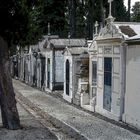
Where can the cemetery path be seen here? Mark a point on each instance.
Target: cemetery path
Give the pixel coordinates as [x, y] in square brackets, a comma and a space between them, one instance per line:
[31, 128]
[76, 123]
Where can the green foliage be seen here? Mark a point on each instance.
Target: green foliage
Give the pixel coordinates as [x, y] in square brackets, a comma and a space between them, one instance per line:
[80, 19]
[18, 26]
[35, 29]
[25, 21]
[136, 12]
[54, 13]
[119, 10]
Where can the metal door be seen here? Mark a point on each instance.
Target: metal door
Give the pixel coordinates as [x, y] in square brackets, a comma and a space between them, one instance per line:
[67, 76]
[107, 83]
[48, 73]
[43, 62]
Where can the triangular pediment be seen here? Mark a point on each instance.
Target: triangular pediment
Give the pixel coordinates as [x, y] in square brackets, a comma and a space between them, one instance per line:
[67, 51]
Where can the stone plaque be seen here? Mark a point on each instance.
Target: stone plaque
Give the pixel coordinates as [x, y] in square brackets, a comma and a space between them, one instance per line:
[107, 50]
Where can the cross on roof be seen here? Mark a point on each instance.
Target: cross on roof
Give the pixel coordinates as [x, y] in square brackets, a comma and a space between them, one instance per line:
[110, 6]
[96, 27]
[49, 33]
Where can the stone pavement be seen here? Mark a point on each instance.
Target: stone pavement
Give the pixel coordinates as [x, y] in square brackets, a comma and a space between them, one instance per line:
[86, 124]
[31, 129]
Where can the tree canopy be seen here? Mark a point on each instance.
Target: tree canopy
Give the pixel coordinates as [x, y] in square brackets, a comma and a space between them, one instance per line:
[136, 12]
[20, 21]
[29, 19]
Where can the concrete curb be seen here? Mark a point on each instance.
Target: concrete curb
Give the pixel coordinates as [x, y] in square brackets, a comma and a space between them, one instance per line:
[60, 124]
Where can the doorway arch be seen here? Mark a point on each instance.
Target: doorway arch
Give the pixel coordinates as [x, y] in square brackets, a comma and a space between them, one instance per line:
[48, 73]
[67, 76]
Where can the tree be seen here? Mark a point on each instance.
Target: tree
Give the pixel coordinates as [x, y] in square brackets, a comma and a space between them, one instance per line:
[96, 11]
[90, 18]
[15, 28]
[80, 18]
[72, 17]
[129, 9]
[119, 10]
[54, 13]
[136, 12]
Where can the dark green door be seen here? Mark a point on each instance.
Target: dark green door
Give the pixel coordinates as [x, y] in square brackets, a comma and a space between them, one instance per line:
[67, 77]
[43, 64]
[107, 83]
[48, 73]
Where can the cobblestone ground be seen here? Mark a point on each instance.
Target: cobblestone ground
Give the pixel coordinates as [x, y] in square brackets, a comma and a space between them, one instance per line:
[32, 129]
[91, 127]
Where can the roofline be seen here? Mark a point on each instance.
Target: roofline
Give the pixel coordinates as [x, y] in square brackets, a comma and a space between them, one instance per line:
[134, 23]
[110, 39]
[69, 38]
[132, 40]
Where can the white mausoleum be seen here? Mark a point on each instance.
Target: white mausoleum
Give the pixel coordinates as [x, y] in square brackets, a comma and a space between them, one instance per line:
[72, 68]
[111, 67]
[54, 53]
[132, 91]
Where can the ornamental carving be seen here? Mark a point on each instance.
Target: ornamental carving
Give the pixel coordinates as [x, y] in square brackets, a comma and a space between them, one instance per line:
[110, 30]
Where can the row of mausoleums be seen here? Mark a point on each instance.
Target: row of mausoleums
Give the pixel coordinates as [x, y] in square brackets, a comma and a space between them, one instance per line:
[101, 75]
[42, 65]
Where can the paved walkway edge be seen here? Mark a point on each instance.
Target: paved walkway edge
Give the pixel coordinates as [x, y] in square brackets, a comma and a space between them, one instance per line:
[63, 125]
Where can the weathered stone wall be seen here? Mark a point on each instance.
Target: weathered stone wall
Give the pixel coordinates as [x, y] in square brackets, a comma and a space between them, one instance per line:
[132, 94]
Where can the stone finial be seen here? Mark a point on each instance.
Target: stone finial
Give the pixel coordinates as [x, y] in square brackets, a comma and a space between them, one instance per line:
[49, 29]
[110, 7]
[96, 27]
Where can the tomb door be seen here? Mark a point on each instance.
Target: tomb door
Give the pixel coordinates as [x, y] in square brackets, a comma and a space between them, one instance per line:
[24, 69]
[48, 73]
[67, 76]
[43, 71]
[35, 73]
[107, 83]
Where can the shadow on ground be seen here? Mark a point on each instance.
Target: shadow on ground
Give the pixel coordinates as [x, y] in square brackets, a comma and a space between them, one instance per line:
[31, 129]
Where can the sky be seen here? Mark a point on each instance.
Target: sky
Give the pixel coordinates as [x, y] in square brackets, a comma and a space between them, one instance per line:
[132, 2]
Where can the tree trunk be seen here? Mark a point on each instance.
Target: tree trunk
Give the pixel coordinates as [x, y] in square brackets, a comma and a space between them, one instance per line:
[102, 13]
[129, 8]
[10, 116]
[72, 17]
[89, 26]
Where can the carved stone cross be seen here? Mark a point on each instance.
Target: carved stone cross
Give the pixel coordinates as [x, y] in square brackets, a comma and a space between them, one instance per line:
[96, 27]
[49, 32]
[110, 6]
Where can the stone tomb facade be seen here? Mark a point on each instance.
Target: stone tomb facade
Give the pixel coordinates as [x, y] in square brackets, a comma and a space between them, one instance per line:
[54, 53]
[92, 48]
[111, 67]
[75, 82]
[37, 64]
[14, 66]
[110, 71]
[30, 66]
